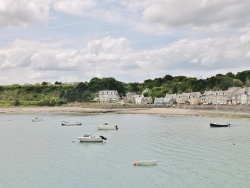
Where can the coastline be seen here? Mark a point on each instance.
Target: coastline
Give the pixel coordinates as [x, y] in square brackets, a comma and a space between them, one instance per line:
[180, 110]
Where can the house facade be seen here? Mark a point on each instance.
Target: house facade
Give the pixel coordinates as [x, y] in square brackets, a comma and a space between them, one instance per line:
[108, 96]
[195, 98]
[170, 98]
[207, 97]
[183, 98]
[143, 100]
[130, 97]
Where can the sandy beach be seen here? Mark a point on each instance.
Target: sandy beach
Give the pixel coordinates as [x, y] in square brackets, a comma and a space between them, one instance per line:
[153, 110]
[66, 109]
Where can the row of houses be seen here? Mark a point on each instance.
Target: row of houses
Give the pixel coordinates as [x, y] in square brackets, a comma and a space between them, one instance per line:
[112, 96]
[234, 95]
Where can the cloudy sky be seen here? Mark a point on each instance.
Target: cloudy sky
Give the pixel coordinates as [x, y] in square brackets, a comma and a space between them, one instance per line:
[129, 40]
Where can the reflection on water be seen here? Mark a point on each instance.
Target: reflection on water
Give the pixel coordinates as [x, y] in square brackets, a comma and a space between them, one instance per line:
[189, 152]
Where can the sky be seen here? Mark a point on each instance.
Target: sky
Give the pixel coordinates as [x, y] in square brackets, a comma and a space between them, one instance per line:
[129, 40]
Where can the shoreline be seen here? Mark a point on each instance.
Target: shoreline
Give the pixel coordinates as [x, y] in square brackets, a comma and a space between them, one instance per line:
[232, 113]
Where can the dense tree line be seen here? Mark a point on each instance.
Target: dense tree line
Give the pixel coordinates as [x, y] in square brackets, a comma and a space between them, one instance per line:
[182, 84]
[58, 93]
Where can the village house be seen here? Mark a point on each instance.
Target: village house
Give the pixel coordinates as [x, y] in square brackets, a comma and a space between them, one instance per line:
[240, 96]
[207, 97]
[159, 101]
[248, 95]
[130, 97]
[183, 98]
[108, 96]
[170, 98]
[232, 94]
[221, 97]
[195, 98]
[143, 100]
[236, 96]
[147, 100]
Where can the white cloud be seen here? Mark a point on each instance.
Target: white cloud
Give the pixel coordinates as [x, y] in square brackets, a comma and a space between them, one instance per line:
[198, 14]
[23, 13]
[113, 57]
[177, 37]
[77, 7]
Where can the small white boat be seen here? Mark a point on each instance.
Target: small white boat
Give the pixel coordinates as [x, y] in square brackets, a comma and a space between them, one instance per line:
[106, 126]
[89, 138]
[145, 163]
[36, 119]
[71, 123]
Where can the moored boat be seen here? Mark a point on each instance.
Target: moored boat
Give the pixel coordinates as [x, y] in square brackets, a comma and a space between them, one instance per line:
[106, 126]
[36, 119]
[145, 163]
[219, 125]
[71, 123]
[89, 138]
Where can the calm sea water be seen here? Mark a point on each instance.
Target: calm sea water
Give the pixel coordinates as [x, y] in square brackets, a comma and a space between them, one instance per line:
[190, 153]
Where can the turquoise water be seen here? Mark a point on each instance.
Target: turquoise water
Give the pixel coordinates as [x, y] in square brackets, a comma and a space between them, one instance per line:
[190, 153]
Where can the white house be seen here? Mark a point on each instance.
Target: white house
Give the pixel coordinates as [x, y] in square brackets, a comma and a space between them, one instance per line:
[110, 96]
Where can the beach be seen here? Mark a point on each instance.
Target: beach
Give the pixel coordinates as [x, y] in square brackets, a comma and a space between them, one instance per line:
[238, 112]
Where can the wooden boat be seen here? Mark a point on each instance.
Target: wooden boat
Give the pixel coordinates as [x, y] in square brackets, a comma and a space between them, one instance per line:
[71, 123]
[145, 163]
[106, 126]
[89, 138]
[219, 125]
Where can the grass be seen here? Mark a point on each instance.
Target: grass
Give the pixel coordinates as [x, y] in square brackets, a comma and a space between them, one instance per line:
[21, 103]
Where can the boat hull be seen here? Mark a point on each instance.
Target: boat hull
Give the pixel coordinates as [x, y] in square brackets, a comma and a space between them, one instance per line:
[219, 125]
[96, 139]
[71, 124]
[145, 163]
[36, 120]
[105, 127]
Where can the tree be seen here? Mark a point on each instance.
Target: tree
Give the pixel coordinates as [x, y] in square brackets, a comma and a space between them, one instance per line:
[230, 75]
[237, 83]
[44, 83]
[168, 78]
[226, 82]
[134, 87]
[58, 83]
[247, 82]
[16, 103]
[243, 76]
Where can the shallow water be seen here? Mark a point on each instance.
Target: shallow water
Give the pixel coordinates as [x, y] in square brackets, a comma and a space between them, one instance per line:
[189, 152]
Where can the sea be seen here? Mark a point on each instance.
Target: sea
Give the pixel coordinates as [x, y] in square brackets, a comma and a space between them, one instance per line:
[189, 153]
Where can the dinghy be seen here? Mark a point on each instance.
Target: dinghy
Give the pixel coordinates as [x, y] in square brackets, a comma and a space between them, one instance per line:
[219, 125]
[145, 163]
[71, 123]
[106, 126]
[89, 138]
[36, 119]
